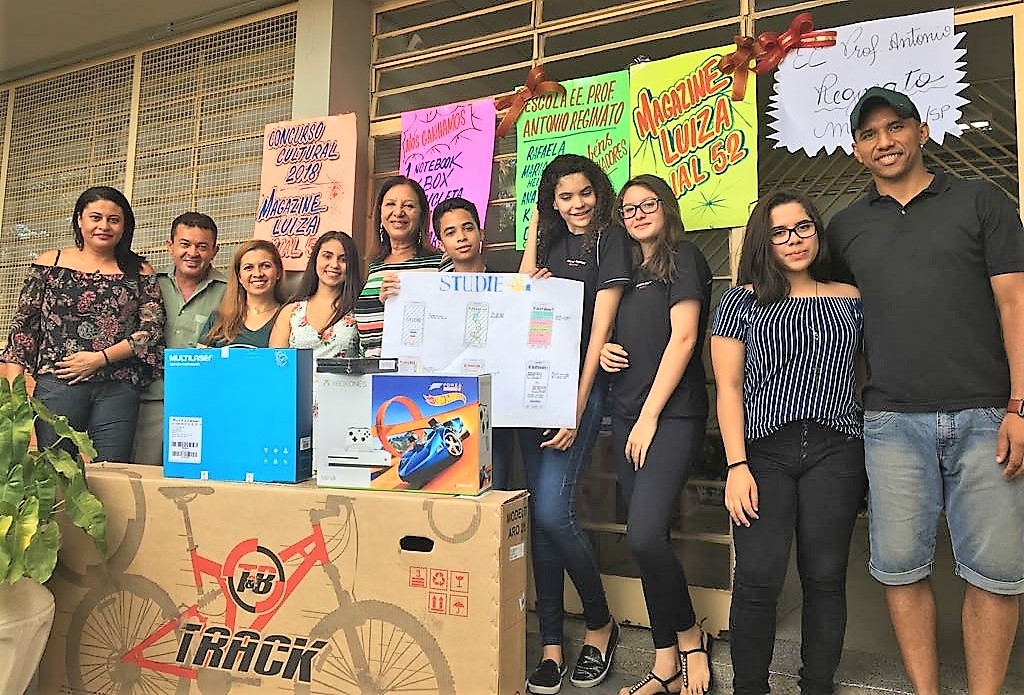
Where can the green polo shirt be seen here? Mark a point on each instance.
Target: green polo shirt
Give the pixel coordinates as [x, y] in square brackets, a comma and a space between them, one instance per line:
[185, 318]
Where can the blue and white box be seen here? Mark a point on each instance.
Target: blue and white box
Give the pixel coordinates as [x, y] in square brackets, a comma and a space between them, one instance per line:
[238, 414]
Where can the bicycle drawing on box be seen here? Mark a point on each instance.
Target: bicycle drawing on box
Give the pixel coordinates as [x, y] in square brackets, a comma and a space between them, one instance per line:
[132, 639]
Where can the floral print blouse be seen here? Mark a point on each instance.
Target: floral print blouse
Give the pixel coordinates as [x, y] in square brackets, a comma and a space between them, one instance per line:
[339, 340]
[63, 311]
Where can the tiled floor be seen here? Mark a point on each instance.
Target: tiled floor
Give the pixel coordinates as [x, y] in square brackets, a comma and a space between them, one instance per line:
[871, 661]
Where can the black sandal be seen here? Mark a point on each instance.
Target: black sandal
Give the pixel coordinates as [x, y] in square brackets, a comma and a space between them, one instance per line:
[705, 649]
[663, 682]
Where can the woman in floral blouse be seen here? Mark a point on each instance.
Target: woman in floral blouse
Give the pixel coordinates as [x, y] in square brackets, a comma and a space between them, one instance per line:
[89, 326]
[320, 318]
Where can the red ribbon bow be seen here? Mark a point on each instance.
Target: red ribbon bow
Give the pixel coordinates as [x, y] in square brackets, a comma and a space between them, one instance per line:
[537, 84]
[800, 34]
[769, 48]
[738, 63]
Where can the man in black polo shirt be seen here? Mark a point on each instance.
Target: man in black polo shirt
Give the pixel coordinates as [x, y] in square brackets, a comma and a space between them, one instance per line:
[940, 266]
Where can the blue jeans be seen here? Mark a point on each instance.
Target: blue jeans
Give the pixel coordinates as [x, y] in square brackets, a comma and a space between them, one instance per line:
[921, 463]
[559, 544]
[810, 479]
[105, 410]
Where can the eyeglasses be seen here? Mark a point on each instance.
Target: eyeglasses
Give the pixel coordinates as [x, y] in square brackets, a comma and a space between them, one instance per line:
[648, 206]
[781, 235]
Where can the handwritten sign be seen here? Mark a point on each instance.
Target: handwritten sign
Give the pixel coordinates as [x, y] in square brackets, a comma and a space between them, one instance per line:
[590, 119]
[687, 130]
[816, 88]
[449, 151]
[306, 184]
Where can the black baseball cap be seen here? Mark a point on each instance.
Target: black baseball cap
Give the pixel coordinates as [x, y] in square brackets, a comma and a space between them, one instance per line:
[900, 103]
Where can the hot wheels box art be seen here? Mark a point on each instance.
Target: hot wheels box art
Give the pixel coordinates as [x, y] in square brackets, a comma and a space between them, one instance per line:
[435, 431]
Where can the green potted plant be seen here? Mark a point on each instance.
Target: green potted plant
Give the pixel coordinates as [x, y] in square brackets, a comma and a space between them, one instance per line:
[35, 486]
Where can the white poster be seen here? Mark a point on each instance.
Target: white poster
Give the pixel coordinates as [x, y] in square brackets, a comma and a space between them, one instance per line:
[816, 88]
[524, 332]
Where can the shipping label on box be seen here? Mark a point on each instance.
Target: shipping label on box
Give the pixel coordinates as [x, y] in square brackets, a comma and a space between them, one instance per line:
[241, 414]
[208, 590]
[434, 430]
[343, 439]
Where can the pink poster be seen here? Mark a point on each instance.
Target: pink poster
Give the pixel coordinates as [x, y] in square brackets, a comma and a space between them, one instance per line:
[306, 184]
[449, 151]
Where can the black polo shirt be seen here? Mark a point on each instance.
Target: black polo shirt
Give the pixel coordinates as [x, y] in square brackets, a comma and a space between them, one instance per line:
[643, 327]
[931, 327]
[605, 265]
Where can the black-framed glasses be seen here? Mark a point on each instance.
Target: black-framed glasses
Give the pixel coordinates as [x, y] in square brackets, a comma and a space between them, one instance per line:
[648, 206]
[781, 235]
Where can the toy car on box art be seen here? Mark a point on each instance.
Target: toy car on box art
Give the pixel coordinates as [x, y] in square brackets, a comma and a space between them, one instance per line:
[439, 447]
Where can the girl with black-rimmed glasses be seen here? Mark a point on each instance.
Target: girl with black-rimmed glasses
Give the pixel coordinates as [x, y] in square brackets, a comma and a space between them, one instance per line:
[785, 342]
[659, 414]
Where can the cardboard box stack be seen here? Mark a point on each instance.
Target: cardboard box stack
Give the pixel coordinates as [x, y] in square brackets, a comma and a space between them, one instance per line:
[234, 588]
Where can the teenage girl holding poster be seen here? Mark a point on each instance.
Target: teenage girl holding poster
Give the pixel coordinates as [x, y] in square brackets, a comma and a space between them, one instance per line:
[574, 237]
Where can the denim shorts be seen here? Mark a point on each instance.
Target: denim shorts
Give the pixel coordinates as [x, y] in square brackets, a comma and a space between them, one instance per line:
[921, 464]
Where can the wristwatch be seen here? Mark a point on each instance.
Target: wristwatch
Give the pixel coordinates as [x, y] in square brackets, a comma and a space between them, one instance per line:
[1016, 406]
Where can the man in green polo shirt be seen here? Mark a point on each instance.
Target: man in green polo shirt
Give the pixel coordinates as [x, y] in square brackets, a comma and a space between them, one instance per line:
[192, 290]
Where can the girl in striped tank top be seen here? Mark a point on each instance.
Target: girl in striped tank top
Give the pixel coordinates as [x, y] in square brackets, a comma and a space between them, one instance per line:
[784, 346]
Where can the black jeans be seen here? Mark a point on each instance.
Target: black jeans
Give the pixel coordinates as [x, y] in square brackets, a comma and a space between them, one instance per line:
[503, 453]
[652, 498]
[811, 480]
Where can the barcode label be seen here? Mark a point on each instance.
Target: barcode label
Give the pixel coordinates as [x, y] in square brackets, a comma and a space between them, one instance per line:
[185, 439]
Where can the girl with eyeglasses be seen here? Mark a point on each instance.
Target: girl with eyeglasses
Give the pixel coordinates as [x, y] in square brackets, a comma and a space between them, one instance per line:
[785, 343]
[659, 406]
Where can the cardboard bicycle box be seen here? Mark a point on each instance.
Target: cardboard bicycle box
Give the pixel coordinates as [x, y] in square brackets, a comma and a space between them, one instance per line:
[238, 414]
[242, 589]
[420, 432]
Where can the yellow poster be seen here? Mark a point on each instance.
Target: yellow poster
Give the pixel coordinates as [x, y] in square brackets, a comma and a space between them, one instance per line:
[687, 129]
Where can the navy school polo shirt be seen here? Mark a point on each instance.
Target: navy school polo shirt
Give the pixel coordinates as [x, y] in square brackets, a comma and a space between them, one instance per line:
[604, 265]
[643, 327]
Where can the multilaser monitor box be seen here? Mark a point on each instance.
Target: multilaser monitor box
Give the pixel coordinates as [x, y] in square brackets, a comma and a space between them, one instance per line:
[216, 587]
[238, 414]
[426, 432]
[341, 414]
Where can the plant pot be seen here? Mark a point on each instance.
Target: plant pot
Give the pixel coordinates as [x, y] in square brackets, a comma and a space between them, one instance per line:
[26, 614]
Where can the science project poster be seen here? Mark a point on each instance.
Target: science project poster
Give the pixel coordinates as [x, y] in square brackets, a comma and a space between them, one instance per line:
[525, 333]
